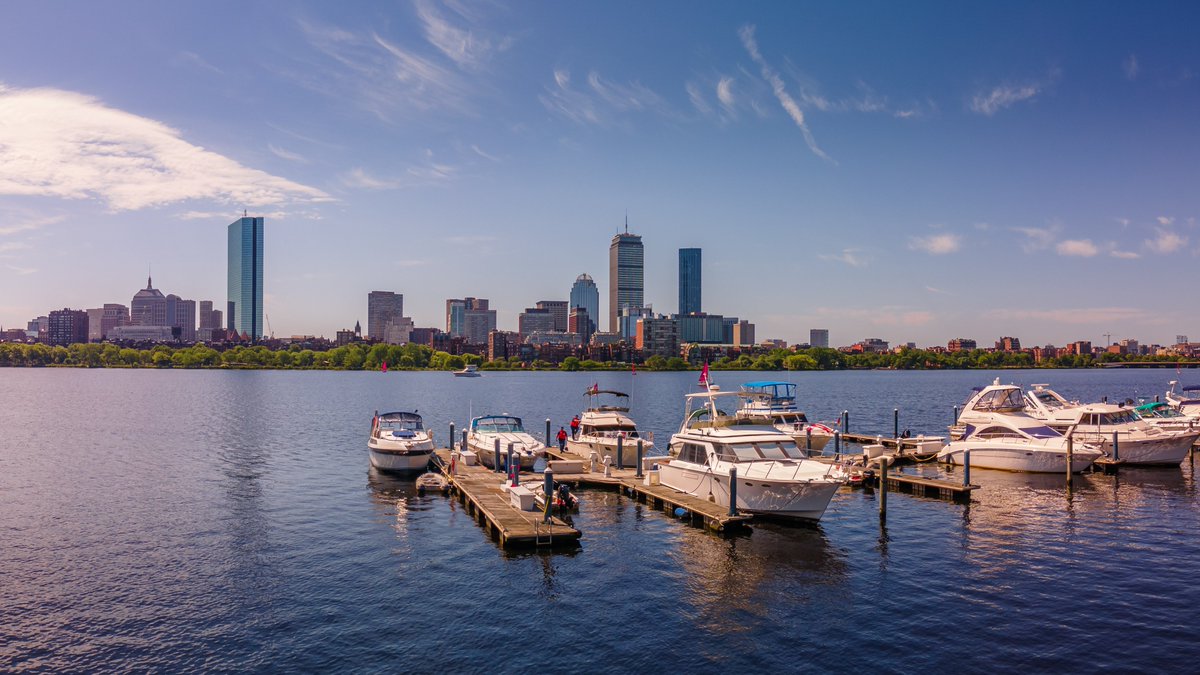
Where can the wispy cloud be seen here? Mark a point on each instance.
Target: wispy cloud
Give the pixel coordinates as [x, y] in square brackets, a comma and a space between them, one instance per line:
[470, 239]
[14, 223]
[849, 256]
[785, 99]
[379, 75]
[1165, 220]
[10, 246]
[481, 153]
[21, 271]
[430, 173]
[286, 154]
[1083, 248]
[63, 144]
[1007, 95]
[936, 244]
[1165, 241]
[1074, 316]
[460, 43]
[600, 102]
[1123, 254]
[410, 263]
[1130, 67]
[194, 60]
[937, 291]
[1038, 238]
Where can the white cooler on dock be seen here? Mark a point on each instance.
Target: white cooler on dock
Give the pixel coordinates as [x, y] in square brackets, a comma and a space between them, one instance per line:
[468, 458]
[522, 498]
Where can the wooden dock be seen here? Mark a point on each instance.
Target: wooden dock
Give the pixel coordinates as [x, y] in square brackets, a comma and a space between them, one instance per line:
[480, 490]
[698, 511]
[926, 487]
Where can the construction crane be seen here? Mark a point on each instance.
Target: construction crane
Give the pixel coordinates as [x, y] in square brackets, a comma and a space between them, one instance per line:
[270, 332]
[1107, 339]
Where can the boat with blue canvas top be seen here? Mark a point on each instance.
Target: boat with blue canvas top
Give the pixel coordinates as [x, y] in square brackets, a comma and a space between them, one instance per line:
[772, 403]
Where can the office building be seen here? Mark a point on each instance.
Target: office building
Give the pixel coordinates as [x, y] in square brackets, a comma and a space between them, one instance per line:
[559, 310]
[67, 327]
[700, 327]
[689, 281]
[383, 308]
[743, 334]
[627, 321]
[103, 319]
[961, 345]
[584, 294]
[657, 336]
[471, 319]
[398, 331]
[818, 337]
[1181, 339]
[534, 319]
[148, 307]
[142, 334]
[181, 314]
[580, 323]
[626, 276]
[244, 309]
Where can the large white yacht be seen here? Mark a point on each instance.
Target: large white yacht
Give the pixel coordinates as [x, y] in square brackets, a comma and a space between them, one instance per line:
[399, 442]
[605, 420]
[1186, 399]
[1138, 441]
[774, 404]
[1001, 435]
[487, 429]
[774, 476]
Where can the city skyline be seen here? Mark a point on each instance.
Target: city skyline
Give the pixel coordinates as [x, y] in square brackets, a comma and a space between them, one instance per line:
[878, 178]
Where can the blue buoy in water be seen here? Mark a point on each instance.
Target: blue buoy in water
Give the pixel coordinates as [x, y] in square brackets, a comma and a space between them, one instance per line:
[680, 512]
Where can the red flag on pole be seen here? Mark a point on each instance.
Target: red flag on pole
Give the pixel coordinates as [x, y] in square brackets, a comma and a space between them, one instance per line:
[384, 367]
[704, 377]
[633, 368]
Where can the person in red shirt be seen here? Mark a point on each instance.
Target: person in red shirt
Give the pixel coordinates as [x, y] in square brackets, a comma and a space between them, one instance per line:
[575, 427]
[562, 439]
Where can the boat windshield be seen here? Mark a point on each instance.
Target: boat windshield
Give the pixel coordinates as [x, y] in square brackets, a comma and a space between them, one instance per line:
[791, 418]
[499, 425]
[1119, 417]
[1049, 400]
[1007, 399]
[400, 421]
[749, 452]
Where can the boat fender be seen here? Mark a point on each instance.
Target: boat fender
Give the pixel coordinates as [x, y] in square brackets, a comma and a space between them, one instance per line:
[680, 512]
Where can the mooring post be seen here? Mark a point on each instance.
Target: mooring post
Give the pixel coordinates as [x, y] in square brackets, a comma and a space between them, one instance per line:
[548, 432]
[548, 493]
[837, 444]
[733, 491]
[845, 421]
[620, 456]
[497, 455]
[451, 443]
[808, 438]
[639, 459]
[464, 440]
[966, 468]
[1070, 455]
[1116, 448]
[1156, 398]
[513, 470]
[883, 487]
[896, 426]
[955, 420]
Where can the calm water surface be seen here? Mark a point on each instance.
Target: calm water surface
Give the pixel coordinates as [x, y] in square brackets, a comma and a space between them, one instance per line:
[200, 520]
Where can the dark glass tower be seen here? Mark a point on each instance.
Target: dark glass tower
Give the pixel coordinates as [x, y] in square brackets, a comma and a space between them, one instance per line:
[245, 308]
[689, 281]
[626, 280]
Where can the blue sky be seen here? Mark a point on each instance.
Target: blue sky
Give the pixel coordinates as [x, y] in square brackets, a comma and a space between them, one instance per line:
[914, 172]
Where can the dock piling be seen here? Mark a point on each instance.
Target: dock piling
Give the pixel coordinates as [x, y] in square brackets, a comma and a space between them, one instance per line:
[548, 433]
[883, 487]
[451, 443]
[1116, 448]
[639, 459]
[464, 440]
[733, 491]
[548, 491]
[512, 470]
[1070, 456]
[497, 448]
[896, 426]
[955, 420]
[837, 444]
[620, 457]
[845, 421]
[808, 438]
[966, 468]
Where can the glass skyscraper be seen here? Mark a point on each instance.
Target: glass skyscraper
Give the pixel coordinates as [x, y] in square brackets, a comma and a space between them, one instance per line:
[626, 276]
[689, 281]
[585, 294]
[245, 309]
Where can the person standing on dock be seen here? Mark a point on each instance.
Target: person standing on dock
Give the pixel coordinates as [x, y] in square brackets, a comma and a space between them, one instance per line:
[562, 439]
[575, 427]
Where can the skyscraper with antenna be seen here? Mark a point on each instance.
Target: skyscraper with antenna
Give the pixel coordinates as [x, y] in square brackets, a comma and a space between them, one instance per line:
[626, 275]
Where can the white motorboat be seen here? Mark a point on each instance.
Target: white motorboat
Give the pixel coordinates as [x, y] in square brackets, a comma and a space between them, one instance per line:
[1162, 415]
[774, 404]
[1138, 441]
[605, 422]
[774, 476]
[507, 430]
[399, 442]
[1186, 400]
[998, 432]
[469, 370]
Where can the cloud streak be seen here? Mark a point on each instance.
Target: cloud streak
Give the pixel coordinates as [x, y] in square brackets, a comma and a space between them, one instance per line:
[936, 244]
[1165, 241]
[600, 102]
[746, 33]
[1082, 248]
[56, 143]
[849, 256]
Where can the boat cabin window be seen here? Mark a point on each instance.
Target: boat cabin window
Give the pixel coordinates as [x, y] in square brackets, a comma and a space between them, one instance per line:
[997, 432]
[782, 450]
[694, 454]
[1041, 432]
[1000, 399]
[791, 418]
[1119, 417]
[499, 425]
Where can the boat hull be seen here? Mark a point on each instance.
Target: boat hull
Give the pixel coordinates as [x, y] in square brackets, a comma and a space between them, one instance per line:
[1170, 450]
[806, 500]
[413, 458]
[485, 452]
[584, 446]
[1017, 457]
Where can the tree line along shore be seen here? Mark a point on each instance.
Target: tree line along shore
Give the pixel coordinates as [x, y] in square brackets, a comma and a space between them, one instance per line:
[421, 357]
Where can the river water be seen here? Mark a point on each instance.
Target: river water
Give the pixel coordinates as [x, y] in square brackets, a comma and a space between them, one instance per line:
[209, 520]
